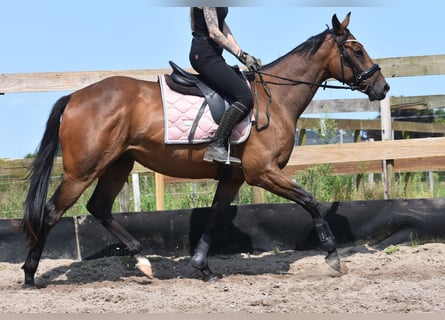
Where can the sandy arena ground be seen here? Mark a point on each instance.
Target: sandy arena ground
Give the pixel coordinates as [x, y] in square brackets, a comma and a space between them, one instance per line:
[409, 280]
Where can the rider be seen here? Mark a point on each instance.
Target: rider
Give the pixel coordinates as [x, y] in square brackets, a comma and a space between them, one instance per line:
[211, 35]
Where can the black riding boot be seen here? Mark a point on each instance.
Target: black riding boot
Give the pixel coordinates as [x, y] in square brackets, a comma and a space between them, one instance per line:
[217, 149]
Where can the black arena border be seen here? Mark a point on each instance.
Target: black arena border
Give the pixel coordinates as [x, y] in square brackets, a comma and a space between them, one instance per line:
[247, 228]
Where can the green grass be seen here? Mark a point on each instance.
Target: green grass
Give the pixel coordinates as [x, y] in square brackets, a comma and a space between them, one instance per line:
[413, 239]
[392, 249]
[317, 179]
[12, 196]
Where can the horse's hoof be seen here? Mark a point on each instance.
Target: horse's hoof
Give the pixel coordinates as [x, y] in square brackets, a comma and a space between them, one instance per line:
[146, 270]
[32, 286]
[27, 286]
[144, 266]
[333, 260]
[208, 275]
[211, 278]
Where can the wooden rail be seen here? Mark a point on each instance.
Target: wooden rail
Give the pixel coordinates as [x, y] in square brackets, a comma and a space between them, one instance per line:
[406, 126]
[66, 81]
[368, 151]
[406, 152]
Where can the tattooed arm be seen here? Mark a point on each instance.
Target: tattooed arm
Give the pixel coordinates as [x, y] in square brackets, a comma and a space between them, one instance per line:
[224, 39]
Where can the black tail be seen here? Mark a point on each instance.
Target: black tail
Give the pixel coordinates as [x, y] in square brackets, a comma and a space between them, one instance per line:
[40, 172]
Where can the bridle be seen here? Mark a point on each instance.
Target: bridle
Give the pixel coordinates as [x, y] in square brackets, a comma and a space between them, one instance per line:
[359, 83]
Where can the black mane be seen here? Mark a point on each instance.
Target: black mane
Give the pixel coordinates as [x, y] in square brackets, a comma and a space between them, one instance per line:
[307, 48]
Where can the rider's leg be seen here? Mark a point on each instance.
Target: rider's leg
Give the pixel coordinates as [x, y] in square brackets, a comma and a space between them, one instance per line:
[217, 147]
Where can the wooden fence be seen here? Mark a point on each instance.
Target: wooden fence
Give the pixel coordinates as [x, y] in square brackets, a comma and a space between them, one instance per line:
[356, 158]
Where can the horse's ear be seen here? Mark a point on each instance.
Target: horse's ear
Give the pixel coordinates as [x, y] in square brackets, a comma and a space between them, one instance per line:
[339, 28]
[345, 22]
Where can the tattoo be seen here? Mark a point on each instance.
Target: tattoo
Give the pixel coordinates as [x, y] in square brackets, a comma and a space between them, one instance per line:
[211, 19]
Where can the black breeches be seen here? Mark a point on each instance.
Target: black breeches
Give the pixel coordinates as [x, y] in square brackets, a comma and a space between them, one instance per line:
[209, 63]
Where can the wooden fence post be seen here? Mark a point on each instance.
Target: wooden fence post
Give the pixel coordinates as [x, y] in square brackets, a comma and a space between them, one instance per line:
[123, 199]
[302, 137]
[160, 191]
[431, 182]
[136, 192]
[388, 164]
[359, 176]
[258, 195]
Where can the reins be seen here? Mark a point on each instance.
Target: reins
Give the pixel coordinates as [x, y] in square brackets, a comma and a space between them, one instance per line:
[360, 77]
[291, 82]
[268, 103]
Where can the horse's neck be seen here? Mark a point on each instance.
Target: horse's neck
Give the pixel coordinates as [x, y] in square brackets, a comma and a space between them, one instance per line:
[296, 98]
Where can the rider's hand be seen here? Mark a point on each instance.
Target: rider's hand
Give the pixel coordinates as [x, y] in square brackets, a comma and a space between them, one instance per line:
[252, 63]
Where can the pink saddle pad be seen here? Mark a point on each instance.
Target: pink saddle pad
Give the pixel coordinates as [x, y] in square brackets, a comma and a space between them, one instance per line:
[180, 112]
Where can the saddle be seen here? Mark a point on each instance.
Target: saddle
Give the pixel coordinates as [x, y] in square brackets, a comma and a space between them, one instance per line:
[187, 120]
[188, 83]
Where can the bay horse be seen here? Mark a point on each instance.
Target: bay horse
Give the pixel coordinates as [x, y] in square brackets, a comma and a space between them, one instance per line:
[104, 128]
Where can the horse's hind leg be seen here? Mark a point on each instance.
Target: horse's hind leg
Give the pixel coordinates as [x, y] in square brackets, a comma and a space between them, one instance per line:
[225, 193]
[275, 181]
[64, 197]
[100, 206]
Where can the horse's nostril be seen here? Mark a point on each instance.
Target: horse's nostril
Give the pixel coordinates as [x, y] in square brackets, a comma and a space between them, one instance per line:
[387, 87]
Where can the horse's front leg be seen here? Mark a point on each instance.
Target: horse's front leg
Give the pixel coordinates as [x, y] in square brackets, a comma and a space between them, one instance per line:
[276, 182]
[225, 193]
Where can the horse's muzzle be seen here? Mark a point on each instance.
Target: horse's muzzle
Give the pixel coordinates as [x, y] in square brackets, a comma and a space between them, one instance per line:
[377, 92]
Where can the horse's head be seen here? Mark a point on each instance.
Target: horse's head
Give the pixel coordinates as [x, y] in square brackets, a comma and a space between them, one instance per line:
[352, 65]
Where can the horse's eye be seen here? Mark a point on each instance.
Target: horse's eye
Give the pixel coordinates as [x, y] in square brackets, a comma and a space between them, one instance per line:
[358, 52]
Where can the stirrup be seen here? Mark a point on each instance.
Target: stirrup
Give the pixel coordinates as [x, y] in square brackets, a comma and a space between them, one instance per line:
[229, 160]
[226, 160]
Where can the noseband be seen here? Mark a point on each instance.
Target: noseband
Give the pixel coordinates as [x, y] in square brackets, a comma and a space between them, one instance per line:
[360, 82]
